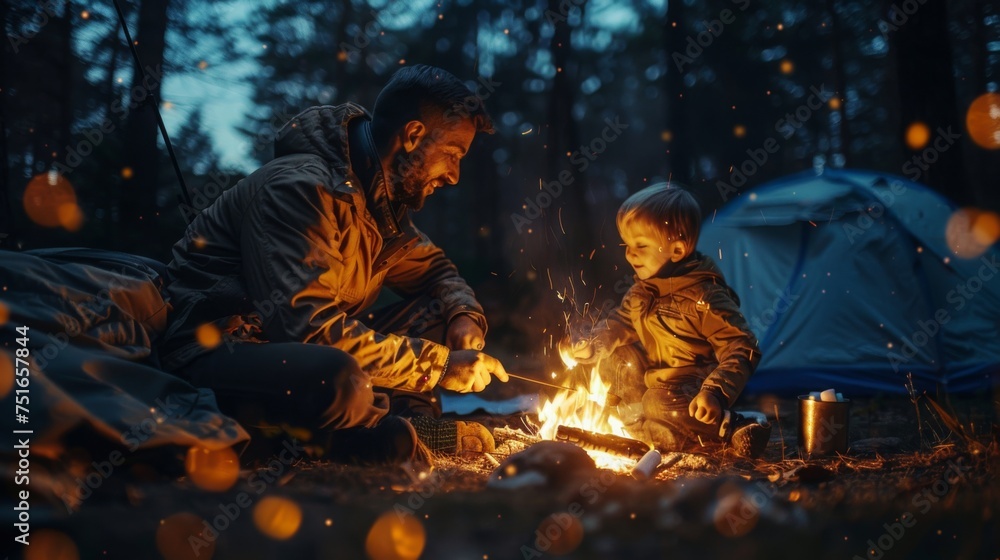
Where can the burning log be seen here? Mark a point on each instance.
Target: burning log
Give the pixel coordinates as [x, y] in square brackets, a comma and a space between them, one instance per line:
[608, 443]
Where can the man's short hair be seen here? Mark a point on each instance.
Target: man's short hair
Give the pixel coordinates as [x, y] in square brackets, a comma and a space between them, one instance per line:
[665, 208]
[427, 94]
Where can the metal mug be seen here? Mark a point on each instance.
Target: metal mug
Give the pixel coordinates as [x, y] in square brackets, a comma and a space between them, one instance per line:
[824, 426]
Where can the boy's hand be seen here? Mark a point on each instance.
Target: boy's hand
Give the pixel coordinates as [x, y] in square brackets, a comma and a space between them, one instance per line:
[579, 350]
[705, 407]
[471, 371]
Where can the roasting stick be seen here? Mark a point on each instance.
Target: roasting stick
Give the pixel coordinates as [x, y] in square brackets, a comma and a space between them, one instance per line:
[523, 378]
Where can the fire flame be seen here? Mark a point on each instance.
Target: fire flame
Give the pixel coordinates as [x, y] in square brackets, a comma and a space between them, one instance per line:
[587, 409]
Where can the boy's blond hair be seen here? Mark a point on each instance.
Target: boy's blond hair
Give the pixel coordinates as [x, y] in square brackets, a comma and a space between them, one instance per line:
[666, 209]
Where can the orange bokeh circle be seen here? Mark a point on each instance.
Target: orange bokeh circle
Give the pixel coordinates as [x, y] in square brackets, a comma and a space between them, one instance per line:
[50, 201]
[983, 121]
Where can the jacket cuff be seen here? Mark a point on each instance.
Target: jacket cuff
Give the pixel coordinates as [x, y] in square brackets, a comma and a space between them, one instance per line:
[473, 313]
[718, 393]
[431, 369]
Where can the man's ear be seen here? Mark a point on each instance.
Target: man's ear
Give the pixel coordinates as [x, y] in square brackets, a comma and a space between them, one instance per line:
[677, 250]
[413, 132]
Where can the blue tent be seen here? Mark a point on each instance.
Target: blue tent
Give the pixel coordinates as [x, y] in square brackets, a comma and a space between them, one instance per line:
[849, 280]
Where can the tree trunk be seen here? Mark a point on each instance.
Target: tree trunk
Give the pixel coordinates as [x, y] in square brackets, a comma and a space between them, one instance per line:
[67, 72]
[113, 37]
[6, 214]
[984, 165]
[677, 139]
[573, 230]
[840, 80]
[927, 94]
[138, 208]
[487, 194]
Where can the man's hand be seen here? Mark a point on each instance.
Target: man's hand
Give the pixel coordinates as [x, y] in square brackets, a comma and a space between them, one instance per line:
[464, 334]
[471, 371]
[705, 407]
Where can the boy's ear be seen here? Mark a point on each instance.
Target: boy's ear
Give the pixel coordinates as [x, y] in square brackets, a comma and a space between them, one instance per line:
[677, 250]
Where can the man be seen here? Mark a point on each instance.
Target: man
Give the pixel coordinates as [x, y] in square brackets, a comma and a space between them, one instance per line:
[285, 265]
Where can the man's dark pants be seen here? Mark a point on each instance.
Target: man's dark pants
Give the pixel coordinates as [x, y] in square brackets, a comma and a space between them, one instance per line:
[313, 386]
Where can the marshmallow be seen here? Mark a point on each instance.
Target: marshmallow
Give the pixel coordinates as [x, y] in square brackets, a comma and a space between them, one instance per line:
[647, 465]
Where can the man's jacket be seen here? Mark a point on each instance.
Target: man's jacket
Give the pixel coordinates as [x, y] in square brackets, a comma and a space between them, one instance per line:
[689, 322]
[292, 253]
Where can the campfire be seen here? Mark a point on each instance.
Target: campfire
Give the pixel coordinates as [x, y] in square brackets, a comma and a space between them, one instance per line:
[581, 415]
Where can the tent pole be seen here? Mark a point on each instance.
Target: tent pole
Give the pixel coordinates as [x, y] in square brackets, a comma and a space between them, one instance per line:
[151, 99]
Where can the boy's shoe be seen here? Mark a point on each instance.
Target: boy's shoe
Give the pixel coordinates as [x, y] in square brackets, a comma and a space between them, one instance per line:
[392, 441]
[749, 437]
[453, 436]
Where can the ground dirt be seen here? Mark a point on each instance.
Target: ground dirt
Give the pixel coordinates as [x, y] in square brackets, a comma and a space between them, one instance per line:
[900, 492]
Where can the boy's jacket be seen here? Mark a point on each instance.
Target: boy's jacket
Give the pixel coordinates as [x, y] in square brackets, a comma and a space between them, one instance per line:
[689, 322]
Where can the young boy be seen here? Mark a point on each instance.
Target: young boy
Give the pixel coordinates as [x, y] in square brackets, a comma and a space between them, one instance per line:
[697, 347]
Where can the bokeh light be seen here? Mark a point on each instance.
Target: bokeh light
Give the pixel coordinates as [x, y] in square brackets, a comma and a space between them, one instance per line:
[396, 536]
[50, 201]
[208, 335]
[70, 217]
[986, 228]
[215, 470]
[734, 515]
[277, 517]
[918, 135]
[563, 531]
[970, 232]
[49, 544]
[739, 131]
[4, 313]
[983, 121]
[182, 537]
[787, 67]
[6, 374]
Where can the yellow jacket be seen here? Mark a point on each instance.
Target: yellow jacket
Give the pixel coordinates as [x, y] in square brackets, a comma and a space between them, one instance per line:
[293, 253]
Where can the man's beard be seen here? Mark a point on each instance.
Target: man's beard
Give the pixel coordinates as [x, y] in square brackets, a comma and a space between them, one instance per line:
[410, 191]
[408, 188]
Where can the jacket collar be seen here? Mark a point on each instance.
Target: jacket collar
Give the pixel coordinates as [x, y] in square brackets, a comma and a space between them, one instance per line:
[334, 133]
[674, 277]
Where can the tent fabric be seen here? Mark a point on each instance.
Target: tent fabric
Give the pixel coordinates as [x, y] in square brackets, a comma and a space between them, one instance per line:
[92, 319]
[848, 280]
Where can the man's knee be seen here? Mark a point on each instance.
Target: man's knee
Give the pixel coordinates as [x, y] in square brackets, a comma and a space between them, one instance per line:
[349, 381]
[351, 401]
